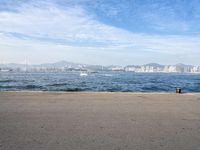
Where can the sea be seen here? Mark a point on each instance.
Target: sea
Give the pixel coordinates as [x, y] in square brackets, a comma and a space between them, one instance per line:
[99, 82]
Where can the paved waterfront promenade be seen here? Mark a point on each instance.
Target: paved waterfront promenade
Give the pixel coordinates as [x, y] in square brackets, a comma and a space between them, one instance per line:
[99, 121]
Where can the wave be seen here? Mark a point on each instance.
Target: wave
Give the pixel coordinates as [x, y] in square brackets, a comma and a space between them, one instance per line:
[6, 87]
[58, 84]
[106, 75]
[154, 88]
[69, 90]
[7, 80]
[32, 87]
[27, 87]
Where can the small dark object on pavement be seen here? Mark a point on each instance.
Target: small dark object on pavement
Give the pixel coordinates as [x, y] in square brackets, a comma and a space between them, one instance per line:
[178, 90]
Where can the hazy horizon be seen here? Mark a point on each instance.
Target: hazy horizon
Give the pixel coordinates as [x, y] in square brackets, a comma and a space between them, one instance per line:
[27, 62]
[103, 32]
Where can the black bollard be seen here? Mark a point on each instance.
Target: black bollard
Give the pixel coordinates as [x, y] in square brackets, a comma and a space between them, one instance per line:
[178, 90]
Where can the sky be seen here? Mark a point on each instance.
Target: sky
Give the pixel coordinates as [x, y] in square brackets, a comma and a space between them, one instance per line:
[106, 32]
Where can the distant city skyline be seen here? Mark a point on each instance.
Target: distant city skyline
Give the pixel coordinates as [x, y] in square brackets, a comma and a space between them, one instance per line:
[100, 32]
[64, 66]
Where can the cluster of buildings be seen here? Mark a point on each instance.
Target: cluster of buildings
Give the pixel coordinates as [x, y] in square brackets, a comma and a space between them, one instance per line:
[66, 67]
[164, 69]
[179, 68]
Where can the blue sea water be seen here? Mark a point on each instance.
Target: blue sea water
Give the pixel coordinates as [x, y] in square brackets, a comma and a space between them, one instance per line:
[102, 81]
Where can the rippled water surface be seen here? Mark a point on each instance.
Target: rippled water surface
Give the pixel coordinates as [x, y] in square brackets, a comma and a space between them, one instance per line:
[103, 81]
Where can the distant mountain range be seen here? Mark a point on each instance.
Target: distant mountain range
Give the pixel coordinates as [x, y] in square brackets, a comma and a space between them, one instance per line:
[47, 65]
[63, 66]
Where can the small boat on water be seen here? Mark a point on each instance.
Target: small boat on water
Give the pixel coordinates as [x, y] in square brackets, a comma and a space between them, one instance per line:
[87, 72]
[83, 74]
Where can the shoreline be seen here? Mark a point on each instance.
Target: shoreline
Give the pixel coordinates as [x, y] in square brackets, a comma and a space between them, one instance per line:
[103, 92]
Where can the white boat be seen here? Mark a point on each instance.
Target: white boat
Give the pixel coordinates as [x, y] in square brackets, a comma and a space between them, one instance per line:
[83, 74]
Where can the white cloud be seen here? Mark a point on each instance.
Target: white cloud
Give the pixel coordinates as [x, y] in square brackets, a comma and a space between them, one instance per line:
[74, 25]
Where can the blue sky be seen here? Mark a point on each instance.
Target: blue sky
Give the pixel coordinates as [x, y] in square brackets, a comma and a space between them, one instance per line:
[100, 31]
